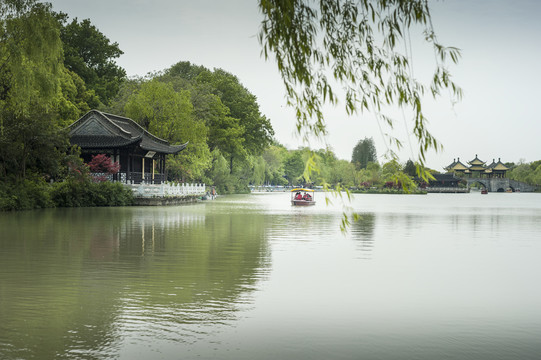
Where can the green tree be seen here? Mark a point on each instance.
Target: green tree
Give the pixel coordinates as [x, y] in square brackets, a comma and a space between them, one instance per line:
[373, 170]
[321, 46]
[32, 145]
[225, 132]
[168, 114]
[527, 172]
[258, 170]
[30, 54]
[76, 99]
[127, 88]
[326, 161]
[390, 170]
[363, 153]
[410, 169]
[90, 54]
[293, 167]
[520, 172]
[219, 174]
[274, 164]
[535, 164]
[343, 173]
[243, 105]
[31, 75]
[236, 126]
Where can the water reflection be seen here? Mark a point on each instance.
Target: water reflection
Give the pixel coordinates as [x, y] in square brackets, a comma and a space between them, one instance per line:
[362, 231]
[76, 283]
[445, 280]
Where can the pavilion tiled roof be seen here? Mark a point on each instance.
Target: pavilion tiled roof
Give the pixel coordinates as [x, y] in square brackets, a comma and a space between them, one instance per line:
[451, 166]
[500, 166]
[476, 162]
[98, 130]
[456, 166]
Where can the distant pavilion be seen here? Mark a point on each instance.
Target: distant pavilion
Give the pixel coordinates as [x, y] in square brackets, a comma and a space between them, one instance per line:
[140, 154]
[478, 168]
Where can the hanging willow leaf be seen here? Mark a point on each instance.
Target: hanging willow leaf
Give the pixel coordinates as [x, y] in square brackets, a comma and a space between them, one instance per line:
[310, 39]
[358, 42]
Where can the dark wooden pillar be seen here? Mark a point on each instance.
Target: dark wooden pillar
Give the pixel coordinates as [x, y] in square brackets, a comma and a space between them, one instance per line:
[163, 167]
[115, 159]
[128, 171]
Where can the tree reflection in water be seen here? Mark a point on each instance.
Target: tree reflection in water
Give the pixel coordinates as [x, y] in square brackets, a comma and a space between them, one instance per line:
[362, 231]
[79, 282]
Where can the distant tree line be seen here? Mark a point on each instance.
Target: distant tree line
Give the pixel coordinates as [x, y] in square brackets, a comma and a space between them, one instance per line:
[529, 173]
[363, 172]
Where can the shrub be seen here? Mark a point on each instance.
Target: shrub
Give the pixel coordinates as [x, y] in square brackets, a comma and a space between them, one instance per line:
[101, 165]
[25, 195]
[76, 194]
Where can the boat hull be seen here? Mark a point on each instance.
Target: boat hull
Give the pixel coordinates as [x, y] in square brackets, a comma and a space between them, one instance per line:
[302, 202]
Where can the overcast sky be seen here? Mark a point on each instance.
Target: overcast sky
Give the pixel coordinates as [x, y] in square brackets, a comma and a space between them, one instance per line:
[499, 70]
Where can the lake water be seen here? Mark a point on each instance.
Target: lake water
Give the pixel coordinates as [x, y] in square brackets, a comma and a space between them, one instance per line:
[441, 276]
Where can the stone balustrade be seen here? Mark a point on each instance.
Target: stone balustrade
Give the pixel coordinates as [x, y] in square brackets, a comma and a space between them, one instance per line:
[166, 190]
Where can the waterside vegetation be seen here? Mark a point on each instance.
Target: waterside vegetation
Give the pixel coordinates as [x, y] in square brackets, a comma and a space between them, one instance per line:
[54, 69]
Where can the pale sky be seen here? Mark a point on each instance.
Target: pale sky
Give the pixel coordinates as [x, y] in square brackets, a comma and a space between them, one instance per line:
[499, 70]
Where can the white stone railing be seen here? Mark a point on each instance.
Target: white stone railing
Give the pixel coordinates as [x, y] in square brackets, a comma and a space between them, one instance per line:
[166, 189]
[449, 189]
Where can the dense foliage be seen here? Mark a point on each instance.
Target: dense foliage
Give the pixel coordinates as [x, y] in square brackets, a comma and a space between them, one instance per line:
[90, 54]
[529, 173]
[30, 194]
[40, 94]
[363, 153]
[53, 70]
[211, 110]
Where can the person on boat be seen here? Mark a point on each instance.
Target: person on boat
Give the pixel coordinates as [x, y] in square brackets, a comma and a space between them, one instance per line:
[298, 196]
[307, 197]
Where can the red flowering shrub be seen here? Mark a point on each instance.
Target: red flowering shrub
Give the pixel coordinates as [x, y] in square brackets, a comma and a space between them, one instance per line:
[102, 165]
[393, 185]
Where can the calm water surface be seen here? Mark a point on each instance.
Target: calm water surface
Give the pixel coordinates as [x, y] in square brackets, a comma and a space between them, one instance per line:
[250, 277]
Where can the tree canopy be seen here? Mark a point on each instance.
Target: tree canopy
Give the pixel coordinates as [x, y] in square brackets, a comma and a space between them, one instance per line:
[169, 115]
[31, 75]
[363, 153]
[212, 111]
[30, 54]
[90, 54]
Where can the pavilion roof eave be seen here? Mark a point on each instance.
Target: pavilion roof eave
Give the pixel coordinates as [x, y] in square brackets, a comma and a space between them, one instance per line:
[97, 130]
[172, 149]
[101, 142]
[476, 161]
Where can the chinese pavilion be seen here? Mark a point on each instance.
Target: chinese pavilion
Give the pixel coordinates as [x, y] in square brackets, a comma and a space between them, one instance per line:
[140, 154]
[457, 167]
[478, 168]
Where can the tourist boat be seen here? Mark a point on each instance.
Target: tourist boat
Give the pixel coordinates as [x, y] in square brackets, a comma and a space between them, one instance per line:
[484, 191]
[302, 197]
